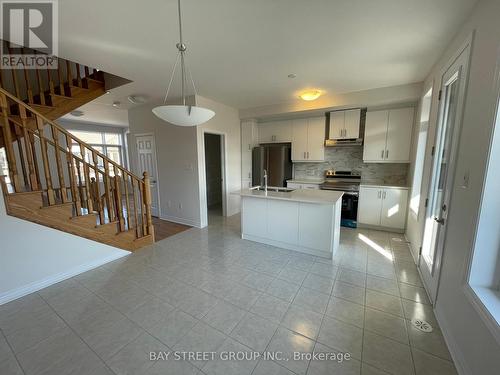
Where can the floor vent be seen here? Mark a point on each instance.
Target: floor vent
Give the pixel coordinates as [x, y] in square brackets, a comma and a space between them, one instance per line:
[421, 325]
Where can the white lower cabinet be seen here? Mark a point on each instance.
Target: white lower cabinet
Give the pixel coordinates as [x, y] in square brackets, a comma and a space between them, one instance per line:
[312, 235]
[382, 206]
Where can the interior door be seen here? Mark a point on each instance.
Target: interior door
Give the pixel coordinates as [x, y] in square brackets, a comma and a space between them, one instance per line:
[351, 124]
[375, 135]
[146, 154]
[399, 130]
[299, 140]
[316, 139]
[442, 175]
[394, 208]
[370, 204]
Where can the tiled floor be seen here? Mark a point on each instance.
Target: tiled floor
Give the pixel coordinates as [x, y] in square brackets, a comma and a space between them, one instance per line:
[208, 290]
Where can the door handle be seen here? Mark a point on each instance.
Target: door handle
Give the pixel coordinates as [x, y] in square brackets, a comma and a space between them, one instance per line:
[439, 220]
[386, 154]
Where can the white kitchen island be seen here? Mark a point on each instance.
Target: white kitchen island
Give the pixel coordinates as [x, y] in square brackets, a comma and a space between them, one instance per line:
[303, 220]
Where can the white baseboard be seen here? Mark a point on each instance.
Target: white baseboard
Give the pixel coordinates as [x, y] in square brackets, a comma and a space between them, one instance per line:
[455, 352]
[38, 285]
[181, 220]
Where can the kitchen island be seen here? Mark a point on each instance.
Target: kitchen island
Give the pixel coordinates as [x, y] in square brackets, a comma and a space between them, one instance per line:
[302, 220]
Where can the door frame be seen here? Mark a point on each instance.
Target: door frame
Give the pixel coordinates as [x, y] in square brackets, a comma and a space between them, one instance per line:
[203, 175]
[431, 278]
[139, 173]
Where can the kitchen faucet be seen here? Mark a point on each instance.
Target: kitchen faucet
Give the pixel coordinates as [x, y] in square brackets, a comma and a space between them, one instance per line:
[265, 180]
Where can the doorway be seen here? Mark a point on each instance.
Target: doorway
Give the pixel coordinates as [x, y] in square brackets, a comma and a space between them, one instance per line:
[214, 174]
[146, 154]
[443, 159]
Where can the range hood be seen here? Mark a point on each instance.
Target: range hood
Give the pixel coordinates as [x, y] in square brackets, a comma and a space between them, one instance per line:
[344, 142]
[345, 127]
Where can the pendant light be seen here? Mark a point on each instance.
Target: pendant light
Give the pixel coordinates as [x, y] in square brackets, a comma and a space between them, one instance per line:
[182, 115]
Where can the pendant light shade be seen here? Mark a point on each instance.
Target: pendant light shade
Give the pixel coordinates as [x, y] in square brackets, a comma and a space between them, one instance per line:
[183, 115]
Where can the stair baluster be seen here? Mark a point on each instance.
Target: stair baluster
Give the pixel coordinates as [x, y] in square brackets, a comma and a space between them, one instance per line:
[28, 147]
[9, 150]
[70, 160]
[119, 200]
[57, 152]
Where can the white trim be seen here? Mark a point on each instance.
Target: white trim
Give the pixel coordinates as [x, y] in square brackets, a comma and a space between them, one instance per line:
[453, 347]
[203, 177]
[484, 304]
[41, 284]
[181, 220]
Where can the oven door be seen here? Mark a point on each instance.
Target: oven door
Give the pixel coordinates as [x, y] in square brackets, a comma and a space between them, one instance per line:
[349, 209]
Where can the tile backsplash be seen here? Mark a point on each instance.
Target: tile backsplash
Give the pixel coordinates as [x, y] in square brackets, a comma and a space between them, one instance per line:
[351, 158]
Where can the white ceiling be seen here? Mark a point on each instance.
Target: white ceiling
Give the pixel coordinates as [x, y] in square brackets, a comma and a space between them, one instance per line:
[241, 51]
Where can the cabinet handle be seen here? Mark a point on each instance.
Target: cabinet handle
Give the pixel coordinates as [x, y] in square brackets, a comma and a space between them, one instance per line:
[308, 154]
[249, 147]
[385, 194]
[249, 174]
[382, 154]
[379, 194]
[386, 154]
[304, 154]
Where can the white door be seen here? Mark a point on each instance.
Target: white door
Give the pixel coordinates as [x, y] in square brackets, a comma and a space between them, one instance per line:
[399, 132]
[375, 136]
[337, 120]
[316, 139]
[351, 124]
[146, 153]
[394, 208]
[442, 176]
[299, 140]
[370, 205]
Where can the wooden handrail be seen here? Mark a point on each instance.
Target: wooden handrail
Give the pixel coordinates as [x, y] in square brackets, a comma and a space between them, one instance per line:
[65, 132]
[38, 130]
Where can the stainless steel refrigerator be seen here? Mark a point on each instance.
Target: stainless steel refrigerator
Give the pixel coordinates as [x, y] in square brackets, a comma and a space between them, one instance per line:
[276, 159]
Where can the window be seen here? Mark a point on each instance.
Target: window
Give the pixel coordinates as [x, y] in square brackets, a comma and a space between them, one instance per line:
[484, 276]
[423, 129]
[107, 143]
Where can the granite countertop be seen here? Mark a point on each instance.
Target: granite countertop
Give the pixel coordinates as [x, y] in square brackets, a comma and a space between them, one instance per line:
[306, 180]
[299, 195]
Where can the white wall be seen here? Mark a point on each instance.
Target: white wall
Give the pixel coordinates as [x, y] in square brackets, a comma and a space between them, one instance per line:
[473, 345]
[226, 122]
[180, 155]
[177, 156]
[33, 257]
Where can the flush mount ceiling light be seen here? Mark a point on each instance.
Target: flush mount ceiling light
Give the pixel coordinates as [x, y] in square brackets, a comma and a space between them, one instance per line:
[116, 104]
[182, 115]
[292, 75]
[310, 95]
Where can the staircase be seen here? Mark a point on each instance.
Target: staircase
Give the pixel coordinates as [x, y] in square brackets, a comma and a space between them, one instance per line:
[55, 179]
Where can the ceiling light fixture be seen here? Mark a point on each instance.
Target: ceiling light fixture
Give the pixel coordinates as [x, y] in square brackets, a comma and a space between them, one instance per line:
[292, 75]
[310, 95]
[182, 115]
[76, 113]
[116, 104]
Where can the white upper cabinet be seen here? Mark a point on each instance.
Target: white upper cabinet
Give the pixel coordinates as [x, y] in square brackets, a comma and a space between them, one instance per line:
[299, 140]
[399, 132]
[275, 132]
[345, 124]
[308, 139]
[375, 136]
[388, 136]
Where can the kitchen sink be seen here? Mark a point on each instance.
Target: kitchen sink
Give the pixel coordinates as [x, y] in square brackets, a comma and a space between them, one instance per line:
[273, 189]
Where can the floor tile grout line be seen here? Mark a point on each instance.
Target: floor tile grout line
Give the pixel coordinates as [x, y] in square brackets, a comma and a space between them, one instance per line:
[12, 351]
[81, 339]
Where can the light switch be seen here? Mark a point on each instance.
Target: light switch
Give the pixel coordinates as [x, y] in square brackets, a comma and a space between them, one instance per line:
[465, 180]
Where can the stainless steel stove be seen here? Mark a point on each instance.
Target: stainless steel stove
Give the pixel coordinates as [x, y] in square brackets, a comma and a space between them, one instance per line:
[348, 182]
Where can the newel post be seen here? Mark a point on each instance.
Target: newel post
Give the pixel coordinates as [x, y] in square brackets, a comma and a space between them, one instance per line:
[147, 203]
